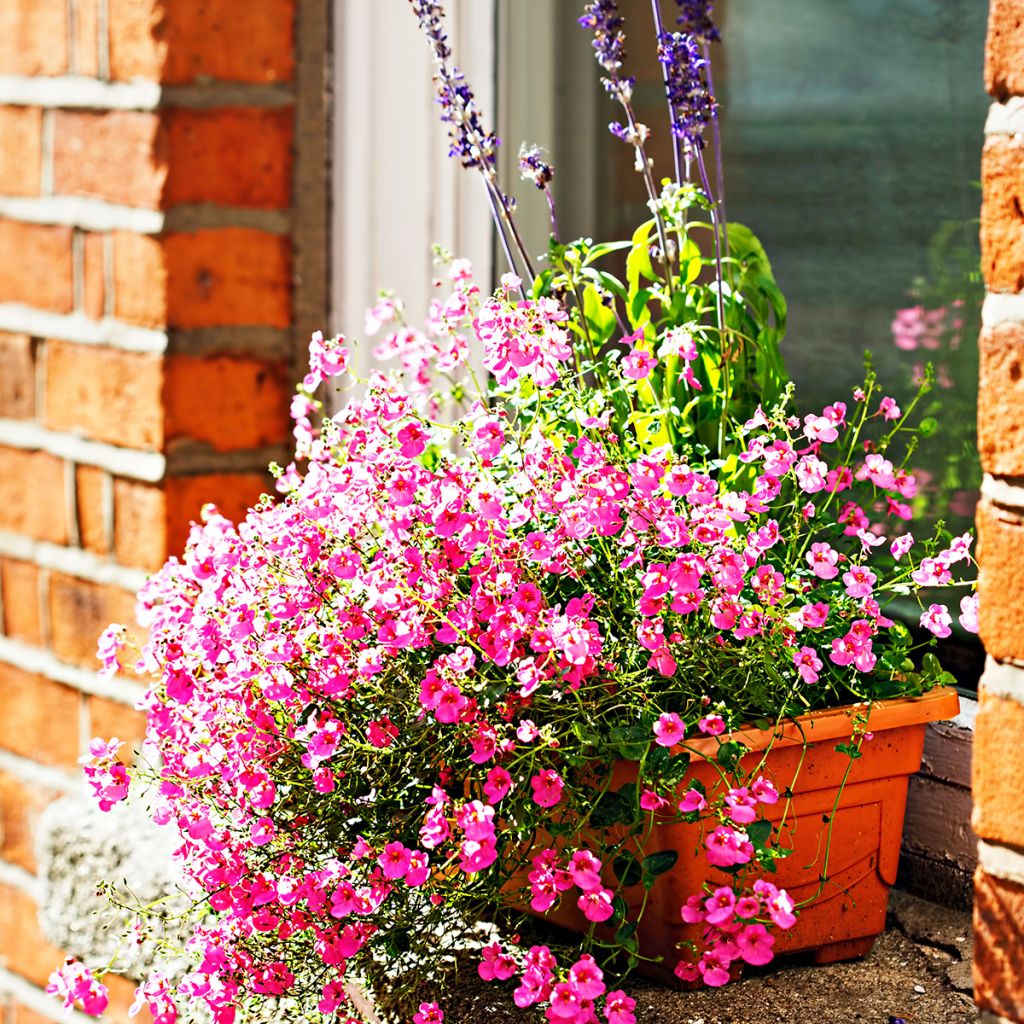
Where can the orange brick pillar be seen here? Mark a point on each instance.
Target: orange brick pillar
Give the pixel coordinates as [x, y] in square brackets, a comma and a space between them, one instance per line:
[999, 738]
[162, 255]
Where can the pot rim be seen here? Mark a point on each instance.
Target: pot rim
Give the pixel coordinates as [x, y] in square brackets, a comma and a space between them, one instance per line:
[937, 704]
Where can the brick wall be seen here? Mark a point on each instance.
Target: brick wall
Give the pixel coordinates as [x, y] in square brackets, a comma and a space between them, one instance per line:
[155, 276]
[999, 738]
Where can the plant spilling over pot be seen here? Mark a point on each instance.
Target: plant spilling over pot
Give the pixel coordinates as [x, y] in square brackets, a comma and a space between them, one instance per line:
[388, 706]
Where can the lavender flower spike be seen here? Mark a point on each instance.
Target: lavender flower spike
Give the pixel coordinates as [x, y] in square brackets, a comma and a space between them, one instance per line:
[691, 104]
[609, 40]
[695, 20]
[533, 167]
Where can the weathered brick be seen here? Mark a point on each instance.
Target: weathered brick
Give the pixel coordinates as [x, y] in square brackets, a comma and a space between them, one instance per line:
[20, 806]
[112, 155]
[105, 393]
[233, 494]
[184, 40]
[1002, 214]
[79, 612]
[90, 487]
[998, 945]
[20, 583]
[23, 1015]
[228, 277]
[998, 763]
[36, 261]
[21, 129]
[240, 156]
[93, 275]
[251, 409]
[1000, 582]
[85, 46]
[40, 718]
[1001, 399]
[34, 37]
[17, 376]
[23, 950]
[108, 719]
[32, 495]
[1004, 49]
[140, 279]
[140, 524]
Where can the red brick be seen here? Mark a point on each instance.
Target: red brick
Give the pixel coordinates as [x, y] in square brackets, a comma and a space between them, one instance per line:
[36, 261]
[108, 719]
[238, 157]
[21, 128]
[997, 766]
[23, 950]
[183, 40]
[1002, 214]
[80, 611]
[23, 1015]
[998, 946]
[87, 35]
[20, 584]
[20, 806]
[17, 376]
[93, 275]
[228, 277]
[112, 155]
[105, 393]
[90, 488]
[233, 494]
[140, 280]
[140, 524]
[40, 718]
[1001, 399]
[122, 995]
[34, 37]
[32, 495]
[1000, 581]
[1004, 49]
[251, 406]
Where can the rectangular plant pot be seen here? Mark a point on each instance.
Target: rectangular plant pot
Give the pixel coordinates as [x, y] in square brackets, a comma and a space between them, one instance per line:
[858, 860]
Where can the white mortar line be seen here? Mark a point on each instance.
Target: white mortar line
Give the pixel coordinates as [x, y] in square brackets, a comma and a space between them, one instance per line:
[1005, 680]
[1001, 308]
[19, 878]
[78, 91]
[1006, 118]
[1002, 492]
[40, 662]
[150, 467]
[1001, 861]
[38, 1001]
[16, 318]
[82, 212]
[73, 561]
[41, 775]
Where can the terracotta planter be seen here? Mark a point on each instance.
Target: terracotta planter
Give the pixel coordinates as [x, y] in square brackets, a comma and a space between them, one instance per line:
[849, 914]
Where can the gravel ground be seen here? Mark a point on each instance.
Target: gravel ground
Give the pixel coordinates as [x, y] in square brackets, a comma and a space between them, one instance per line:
[919, 972]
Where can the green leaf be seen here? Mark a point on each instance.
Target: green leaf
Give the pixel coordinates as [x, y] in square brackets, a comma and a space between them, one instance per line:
[627, 869]
[621, 908]
[602, 249]
[928, 426]
[759, 832]
[638, 262]
[657, 864]
[625, 932]
[729, 754]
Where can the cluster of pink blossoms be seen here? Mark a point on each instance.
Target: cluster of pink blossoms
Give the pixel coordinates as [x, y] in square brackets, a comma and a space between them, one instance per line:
[365, 693]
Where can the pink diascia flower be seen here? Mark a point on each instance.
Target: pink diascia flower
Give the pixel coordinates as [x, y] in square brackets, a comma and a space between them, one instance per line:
[429, 1013]
[669, 729]
[547, 787]
[822, 559]
[74, 983]
[937, 620]
[807, 663]
[638, 364]
[969, 613]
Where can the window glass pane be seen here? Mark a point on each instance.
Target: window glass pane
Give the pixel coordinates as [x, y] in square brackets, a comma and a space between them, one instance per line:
[852, 131]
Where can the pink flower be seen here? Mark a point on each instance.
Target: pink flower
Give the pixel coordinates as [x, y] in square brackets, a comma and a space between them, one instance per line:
[807, 663]
[741, 804]
[712, 725]
[765, 791]
[669, 729]
[937, 620]
[755, 944]
[651, 801]
[394, 861]
[889, 409]
[859, 581]
[498, 783]
[74, 982]
[495, 963]
[547, 787]
[714, 968]
[585, 977]
[780, 909]
[720, 906]
[901, 545]
[429, 1013]
[726, 847]
[638, 364]
[585, 871]
[596, 905]
[969, 613]
[618, 1008]
[822, 559]
[693, 800]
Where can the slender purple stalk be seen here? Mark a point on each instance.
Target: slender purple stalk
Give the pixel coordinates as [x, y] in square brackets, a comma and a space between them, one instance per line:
[533, 167]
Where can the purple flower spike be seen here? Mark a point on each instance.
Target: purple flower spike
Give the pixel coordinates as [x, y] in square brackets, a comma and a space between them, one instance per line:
[691, 104]
[695, 20]
[609, 40]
